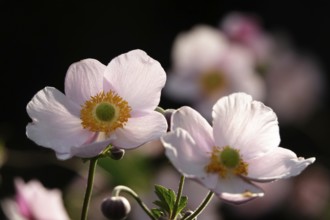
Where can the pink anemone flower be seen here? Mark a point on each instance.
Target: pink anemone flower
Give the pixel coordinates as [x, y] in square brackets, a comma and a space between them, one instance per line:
[241, 147]
[102, 105]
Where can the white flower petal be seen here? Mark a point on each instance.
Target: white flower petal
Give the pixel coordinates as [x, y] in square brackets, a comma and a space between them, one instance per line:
[185, 153]
[140, 130]
[55, 123]
[137, 78]
[247, 125]
[83, 80]
[232, 189]
[277, 164]
[198, 49]
[199, 129]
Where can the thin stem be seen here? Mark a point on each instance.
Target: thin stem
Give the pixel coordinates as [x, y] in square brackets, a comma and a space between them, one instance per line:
[89, 189]
[128, 190]
[201, 207]
[178, 198]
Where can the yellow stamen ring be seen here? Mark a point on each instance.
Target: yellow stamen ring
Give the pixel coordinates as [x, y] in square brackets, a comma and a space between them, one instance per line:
[105, 112]
[226, 160]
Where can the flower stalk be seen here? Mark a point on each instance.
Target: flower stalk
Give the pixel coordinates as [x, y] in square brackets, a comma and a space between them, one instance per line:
[89, 189]
[178, 198]
[202, 206]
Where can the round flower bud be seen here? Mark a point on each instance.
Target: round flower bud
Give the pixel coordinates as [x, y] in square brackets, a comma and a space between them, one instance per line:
[115, 208]
[116, 153]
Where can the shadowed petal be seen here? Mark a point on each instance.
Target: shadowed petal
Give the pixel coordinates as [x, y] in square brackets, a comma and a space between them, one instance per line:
[199, 129]
[277, 164]
[140, 130]
[232, 189]
[185, 153]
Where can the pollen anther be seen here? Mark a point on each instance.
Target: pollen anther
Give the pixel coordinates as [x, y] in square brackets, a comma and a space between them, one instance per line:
[105, 112]
[226, 160]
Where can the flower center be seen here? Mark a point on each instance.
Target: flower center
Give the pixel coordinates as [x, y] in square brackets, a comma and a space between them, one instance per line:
[212, 82]
[105, 112]
[226, 160]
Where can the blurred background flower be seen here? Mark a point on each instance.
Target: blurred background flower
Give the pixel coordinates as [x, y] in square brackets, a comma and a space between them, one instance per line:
[289, 56]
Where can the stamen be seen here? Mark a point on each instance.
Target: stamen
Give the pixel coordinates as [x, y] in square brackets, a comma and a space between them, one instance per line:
[226, 160]
[212, 82]
[105, 112]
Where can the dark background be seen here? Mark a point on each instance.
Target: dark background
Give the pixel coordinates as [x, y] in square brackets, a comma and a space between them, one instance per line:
[39, 40]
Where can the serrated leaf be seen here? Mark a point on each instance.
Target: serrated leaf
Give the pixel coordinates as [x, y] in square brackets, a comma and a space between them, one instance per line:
[157, 212]
[183, 203]
[166, 198]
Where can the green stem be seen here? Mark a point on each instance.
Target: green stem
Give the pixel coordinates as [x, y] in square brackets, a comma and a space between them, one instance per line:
[178, 198]
[89, 189]
[118, 189]
[201, 207]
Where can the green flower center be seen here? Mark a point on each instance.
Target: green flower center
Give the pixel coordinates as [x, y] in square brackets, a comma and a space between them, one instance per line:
[229, 157]
[105, 112]
[212, 81]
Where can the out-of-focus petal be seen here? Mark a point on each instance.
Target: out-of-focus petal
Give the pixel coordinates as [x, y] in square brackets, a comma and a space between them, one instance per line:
[198, 49]
[232, 189]
[140, 130]
[277, 164]
[199, 129]
[83, 80]
[42, 203]
[185, 153]
[137, 78]
[55, 123]
[247, 125]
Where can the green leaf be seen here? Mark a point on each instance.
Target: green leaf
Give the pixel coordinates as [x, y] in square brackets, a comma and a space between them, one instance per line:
[166, 199]
[183, 203]
[157, 212]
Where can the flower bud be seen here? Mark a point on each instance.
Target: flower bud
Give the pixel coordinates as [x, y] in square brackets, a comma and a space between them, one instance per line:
[116, 153]
[115, 208]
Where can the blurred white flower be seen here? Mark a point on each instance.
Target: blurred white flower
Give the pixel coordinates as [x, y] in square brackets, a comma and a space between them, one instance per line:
[206, 66]
[294, 82]
[102, 105]
[34, 202]
[242, 146]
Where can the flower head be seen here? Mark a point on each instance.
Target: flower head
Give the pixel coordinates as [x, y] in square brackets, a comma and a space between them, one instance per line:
[102, 105]
[242, 146]
[33, 201]
[207, 66]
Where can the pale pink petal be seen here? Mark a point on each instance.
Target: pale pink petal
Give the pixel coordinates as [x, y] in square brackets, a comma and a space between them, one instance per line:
[42, 203]
[232, 189]
[199, 129]
[55, 123]
[247, 125]
[185, 153]
[140, 130]
[91, 149]
[137, 78]
[198, 49]
[83, 80]
[277, 164]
